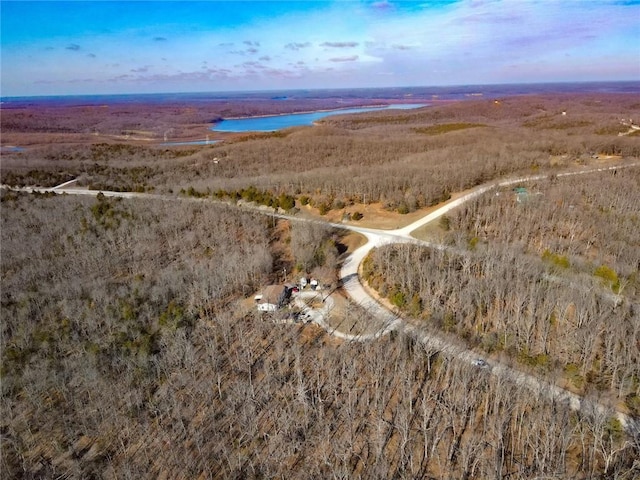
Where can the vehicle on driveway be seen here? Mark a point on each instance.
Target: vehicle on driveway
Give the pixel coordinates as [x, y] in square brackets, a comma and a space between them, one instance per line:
[480, 363]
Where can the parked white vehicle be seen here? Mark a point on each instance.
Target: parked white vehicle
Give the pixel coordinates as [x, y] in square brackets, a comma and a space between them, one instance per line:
[480, 363]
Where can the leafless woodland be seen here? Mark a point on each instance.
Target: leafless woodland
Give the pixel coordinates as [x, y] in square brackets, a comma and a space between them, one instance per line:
[128, 350]
[547, 278]
[397, 158]
[122, 363]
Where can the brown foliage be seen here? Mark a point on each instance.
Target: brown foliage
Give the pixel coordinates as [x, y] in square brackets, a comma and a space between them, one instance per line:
[124, 353]
[375, 155]
[548, 278]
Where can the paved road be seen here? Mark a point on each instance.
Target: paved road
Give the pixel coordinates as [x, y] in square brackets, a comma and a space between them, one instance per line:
[351, 283]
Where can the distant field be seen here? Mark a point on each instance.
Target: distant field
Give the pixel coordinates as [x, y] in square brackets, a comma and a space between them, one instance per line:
[131, 346]
[401, 160]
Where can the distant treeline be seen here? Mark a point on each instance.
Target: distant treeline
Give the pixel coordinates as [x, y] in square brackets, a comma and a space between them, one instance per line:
[405, 160]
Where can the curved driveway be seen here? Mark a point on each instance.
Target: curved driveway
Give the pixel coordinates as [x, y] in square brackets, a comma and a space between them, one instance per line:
[351, 283]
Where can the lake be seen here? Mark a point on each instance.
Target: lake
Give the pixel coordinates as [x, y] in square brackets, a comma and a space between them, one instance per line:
[11, 149]
[278, 122]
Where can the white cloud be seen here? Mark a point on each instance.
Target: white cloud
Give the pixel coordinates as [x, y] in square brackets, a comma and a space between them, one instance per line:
[357, 42]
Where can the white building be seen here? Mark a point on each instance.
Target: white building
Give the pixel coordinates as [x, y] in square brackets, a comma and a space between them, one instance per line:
[273, 297]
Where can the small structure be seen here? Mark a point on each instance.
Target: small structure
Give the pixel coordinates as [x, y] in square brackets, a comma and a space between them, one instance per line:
[522, 195]
[273, 297]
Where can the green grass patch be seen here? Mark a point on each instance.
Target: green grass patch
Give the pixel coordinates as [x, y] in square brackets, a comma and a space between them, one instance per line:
[609, 277]
[446, 128]
[572, 371]
[612, 130]
[560, 261]
[554, 123]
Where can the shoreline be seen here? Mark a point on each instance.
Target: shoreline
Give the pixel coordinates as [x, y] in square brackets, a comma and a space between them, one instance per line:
[306, 112]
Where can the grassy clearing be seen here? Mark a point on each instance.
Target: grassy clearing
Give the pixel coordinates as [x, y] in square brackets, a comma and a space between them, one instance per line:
[446, 128]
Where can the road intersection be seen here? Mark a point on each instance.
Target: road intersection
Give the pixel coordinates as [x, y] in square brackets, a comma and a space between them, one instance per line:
[350, 282]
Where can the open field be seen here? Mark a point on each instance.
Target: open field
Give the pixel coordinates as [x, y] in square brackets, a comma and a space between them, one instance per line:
[131, 348]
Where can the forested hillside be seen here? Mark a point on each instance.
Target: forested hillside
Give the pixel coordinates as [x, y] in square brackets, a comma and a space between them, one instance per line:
[123, 357]
[131, 346]
[545, 276]
[403, 159]
[411, 159]
[99, 297]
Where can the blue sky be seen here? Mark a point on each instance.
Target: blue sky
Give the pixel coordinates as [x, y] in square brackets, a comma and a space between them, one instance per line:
[90, 47]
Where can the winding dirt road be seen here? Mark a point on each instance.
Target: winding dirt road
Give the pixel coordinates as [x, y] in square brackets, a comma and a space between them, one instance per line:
[352, 285]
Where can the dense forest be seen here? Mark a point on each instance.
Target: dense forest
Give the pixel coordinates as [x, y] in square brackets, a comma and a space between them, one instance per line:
[131, 346]
[119, 362]
[545, 276]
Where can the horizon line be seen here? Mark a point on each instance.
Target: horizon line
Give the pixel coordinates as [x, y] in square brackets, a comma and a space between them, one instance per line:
[204, 92]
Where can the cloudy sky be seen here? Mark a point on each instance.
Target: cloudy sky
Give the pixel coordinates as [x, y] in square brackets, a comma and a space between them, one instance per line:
[89, 47]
